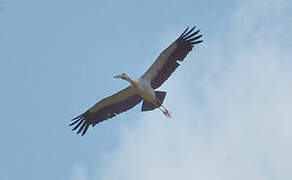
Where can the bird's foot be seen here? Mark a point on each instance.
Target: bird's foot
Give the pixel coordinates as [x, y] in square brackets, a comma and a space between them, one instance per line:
[167, 113]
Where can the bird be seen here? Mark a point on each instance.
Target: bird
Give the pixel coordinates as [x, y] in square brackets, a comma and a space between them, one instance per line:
[143, 88]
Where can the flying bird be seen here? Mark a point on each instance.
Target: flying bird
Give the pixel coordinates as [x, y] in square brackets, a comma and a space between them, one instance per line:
[143, 88]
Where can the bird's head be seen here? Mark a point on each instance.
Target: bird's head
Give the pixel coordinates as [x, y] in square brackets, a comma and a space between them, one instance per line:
[123, 76]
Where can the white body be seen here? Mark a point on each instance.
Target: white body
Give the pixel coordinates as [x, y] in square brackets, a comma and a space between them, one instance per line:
[144, 89]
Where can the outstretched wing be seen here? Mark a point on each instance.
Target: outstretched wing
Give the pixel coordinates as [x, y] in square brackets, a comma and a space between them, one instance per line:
[167, 63]
[106, 108]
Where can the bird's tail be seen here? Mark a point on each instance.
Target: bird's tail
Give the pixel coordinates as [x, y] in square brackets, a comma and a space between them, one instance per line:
[149, 106]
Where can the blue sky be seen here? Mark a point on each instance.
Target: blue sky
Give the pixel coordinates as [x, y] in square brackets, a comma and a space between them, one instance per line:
[232, 119]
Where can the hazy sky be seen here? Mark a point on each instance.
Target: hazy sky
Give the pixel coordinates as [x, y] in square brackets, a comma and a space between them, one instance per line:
[231, 97]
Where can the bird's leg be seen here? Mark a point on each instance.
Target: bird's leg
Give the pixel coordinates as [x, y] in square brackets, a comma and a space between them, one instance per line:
[166, 112]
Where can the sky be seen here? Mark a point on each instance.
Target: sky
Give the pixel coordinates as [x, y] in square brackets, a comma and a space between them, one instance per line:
[231, 97]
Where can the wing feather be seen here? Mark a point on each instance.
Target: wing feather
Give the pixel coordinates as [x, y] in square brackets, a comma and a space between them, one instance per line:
[106, 109]
[167, 63]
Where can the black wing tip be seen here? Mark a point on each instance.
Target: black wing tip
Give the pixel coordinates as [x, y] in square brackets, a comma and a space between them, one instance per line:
[76, 117]
[85, 129]
[192, 37]
[81, 119]
[184, 32]
[187, 35]
[197, 42]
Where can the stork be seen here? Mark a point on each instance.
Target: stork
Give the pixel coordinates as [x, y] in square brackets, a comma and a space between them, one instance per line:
[143, 88]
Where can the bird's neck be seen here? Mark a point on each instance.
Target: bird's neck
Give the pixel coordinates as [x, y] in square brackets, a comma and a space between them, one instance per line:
[133, 82]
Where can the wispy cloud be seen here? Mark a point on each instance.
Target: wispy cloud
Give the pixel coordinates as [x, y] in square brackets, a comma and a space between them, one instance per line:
[79, 173]
[232, 120]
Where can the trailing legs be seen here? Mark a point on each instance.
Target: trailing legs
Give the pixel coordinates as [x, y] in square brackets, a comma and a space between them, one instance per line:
[163, 109]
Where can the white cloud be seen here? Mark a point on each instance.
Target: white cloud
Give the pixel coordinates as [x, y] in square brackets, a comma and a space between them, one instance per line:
[79, 173]
[232, 120]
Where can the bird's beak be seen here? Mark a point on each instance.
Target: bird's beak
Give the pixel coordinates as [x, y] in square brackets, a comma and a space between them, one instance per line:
[118, 76]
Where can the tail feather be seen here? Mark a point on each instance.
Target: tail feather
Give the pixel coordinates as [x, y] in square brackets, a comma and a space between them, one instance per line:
[149, 106]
